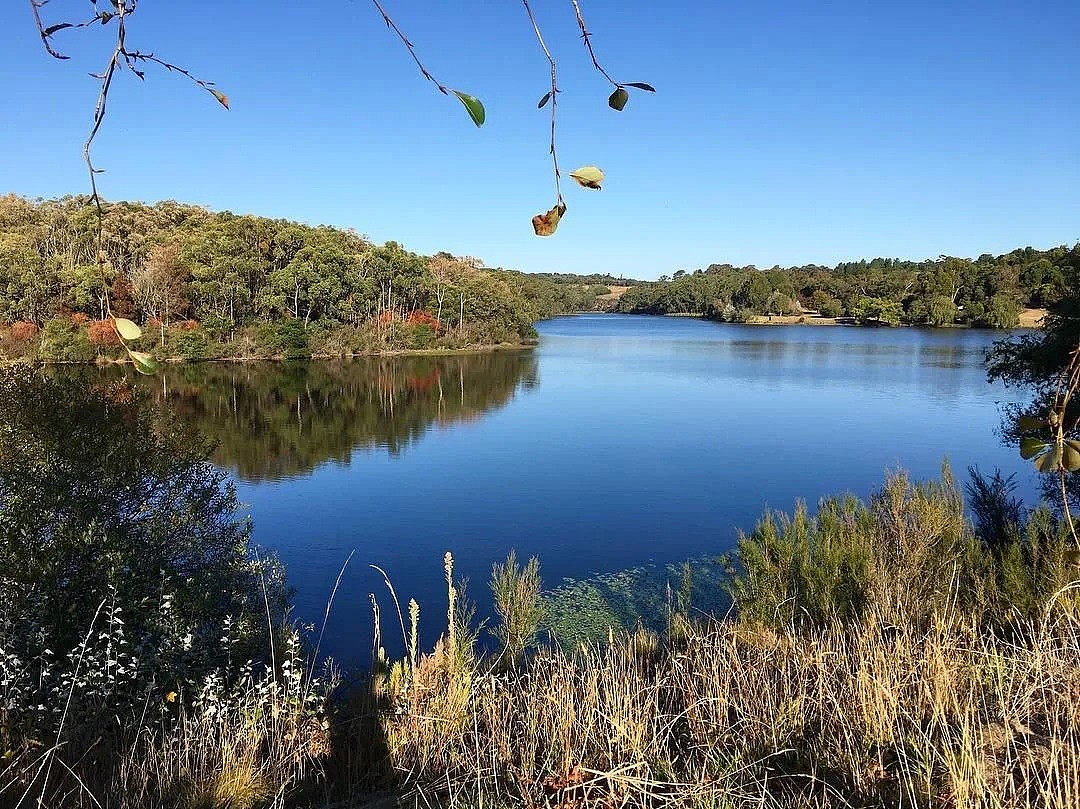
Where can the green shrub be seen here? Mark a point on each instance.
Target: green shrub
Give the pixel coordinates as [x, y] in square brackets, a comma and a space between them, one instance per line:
[119, 544]
[516, 592]
[64, 341]
[422, 336]
[192, 345]
[288, 339]
[908, 554]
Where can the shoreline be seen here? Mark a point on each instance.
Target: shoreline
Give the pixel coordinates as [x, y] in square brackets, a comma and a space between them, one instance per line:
[1029, 319]
[396, 352]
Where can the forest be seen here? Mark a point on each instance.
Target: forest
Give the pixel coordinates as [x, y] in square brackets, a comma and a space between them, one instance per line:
[215, 284]
[988, 292]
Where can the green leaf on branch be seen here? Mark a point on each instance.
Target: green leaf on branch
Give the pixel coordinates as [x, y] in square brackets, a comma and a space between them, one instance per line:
[474, 107]
[1050, 462]
[544, 100]
[144, 363]
[618, 99]
[544, 224]
[1030, 447]
[126, 329]
[1070, 456]
[588, 177]
[640, 85]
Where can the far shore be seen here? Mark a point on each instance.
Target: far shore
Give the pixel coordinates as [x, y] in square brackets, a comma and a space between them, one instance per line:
[1029, 319]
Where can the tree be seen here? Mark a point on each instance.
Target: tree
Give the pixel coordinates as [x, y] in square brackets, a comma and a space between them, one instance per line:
[102, 496]
[1002, 312]
[753, 294]
[938, 310]
[158, 284]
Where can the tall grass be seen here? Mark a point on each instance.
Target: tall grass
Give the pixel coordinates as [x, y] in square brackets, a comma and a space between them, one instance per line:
[868, 714]
[882, 656]
[253, 737]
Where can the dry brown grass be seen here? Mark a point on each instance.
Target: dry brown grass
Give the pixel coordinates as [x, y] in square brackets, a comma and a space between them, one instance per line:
[732, 715]
[1031, 318]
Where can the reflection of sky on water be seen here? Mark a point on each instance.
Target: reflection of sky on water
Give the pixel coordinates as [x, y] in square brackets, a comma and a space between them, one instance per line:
[637, 439]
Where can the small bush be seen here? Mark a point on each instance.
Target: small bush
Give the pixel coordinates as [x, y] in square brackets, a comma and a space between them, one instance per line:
[24, 331]
[63, 341]
[292, 339]
[102, 333]
[422, 318]
[192, 345]
[516, 591]
[421, 336]
[909, 554]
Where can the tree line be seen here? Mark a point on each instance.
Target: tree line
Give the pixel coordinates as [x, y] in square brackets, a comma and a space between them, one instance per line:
[219, 284]
[989, 291]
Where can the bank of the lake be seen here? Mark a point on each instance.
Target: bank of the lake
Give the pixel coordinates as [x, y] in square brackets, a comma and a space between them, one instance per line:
[1027, 319]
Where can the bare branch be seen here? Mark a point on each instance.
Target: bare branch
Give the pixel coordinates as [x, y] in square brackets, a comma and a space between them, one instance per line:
[587, 37]
[554, 100]
[412, 51]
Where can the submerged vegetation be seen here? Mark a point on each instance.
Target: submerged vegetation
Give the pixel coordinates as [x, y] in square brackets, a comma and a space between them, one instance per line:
[880, 653]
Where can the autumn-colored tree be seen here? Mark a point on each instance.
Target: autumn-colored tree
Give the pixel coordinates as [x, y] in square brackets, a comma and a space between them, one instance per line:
[102, 333]
[422, 318]
[158, 283]
[24, 331]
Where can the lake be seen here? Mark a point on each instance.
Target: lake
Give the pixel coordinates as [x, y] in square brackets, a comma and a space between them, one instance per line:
[620, 441]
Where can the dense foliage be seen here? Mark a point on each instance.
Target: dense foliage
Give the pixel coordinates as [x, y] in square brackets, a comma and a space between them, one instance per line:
[886, 555]
[989, 291]
[212, 284]
[126, 571]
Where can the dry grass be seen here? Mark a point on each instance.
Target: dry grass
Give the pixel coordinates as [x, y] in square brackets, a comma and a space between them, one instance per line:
[732, 715]
[1031, 318]
[901, 677]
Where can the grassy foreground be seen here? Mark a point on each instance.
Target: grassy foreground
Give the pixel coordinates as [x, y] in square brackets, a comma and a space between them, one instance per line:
[884, 655]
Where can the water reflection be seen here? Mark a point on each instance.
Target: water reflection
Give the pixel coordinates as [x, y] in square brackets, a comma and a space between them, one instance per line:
[275, 421]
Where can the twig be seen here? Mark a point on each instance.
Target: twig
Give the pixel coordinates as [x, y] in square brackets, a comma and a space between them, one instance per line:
[412, 51]
[587, 37]
[120, 56]
[554, 100]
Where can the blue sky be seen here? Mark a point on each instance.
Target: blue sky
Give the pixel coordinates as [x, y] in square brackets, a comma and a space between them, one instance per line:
[781, 132]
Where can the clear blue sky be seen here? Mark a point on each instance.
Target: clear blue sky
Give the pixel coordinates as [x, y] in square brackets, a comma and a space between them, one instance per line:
[781, 133]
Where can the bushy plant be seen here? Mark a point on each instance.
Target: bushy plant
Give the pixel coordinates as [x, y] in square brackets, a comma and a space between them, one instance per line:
[909, 554]
[64, 341]
[24, 331]
[126, 571]
[516, 592]
[102, 333]
[422, 336]
[291, 339]
[192, 344]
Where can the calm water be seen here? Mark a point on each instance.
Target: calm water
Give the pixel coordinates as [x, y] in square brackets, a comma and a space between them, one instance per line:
[620, 440]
